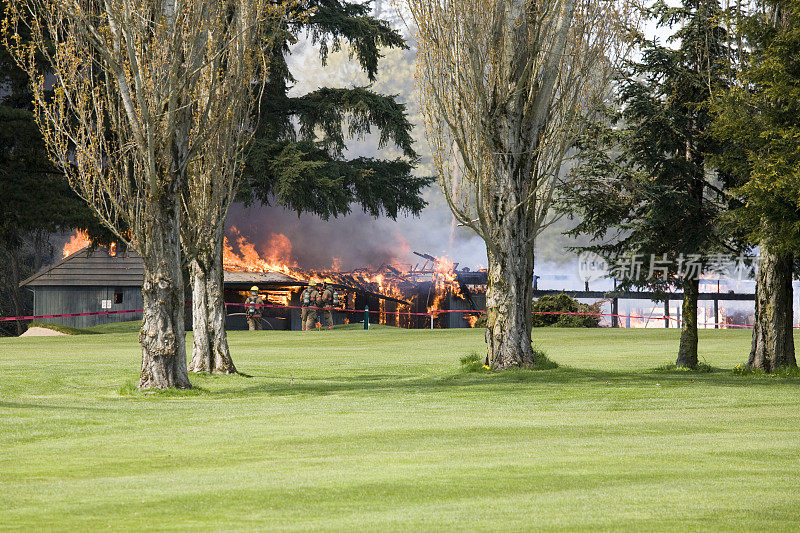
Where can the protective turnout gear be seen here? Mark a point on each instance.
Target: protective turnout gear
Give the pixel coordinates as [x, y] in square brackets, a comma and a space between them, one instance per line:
[319, 288]
[326, 302]
[308, 316]
[252, 310]
[329, 286]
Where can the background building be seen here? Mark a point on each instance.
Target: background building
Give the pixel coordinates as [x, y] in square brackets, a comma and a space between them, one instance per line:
[89, 281]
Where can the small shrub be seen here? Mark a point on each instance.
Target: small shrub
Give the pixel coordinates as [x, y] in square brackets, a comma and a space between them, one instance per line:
[787, 372]
[784, 372]
[559, 303]
[542, 362]
[474, 362]
[701, 368]
[128, 388]
[547, 307]
[742, 370]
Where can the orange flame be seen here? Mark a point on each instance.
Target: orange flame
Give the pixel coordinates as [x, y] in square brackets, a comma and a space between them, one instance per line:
[277, 257]
[444, 279]
[77, 242]
[241, 255]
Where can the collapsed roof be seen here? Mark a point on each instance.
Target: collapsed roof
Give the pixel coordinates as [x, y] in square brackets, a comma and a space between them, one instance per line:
[92, 267]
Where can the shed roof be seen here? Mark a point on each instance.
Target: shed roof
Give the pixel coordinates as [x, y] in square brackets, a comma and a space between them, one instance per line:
[97, 267]
[89, 267]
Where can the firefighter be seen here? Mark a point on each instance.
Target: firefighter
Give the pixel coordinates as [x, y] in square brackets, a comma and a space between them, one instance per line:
[328, 299]
[252, 309]
[308, 299]
[316, 305]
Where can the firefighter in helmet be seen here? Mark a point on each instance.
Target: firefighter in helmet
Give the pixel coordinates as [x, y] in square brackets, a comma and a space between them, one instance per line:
[328, 299]
[308, 303]
[252, 309]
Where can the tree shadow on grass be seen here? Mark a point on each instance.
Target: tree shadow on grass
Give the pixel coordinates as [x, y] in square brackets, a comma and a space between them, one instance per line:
[50, 407]
[562, 378]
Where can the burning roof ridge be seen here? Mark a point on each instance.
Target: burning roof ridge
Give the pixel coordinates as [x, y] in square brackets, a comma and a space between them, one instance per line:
[51, 267]
[84, 252]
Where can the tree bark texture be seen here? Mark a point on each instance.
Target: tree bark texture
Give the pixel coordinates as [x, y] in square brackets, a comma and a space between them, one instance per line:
[509, 298]
[14, 288]
[687, 351]
[773, 340]
[210, 351]
[162, 335]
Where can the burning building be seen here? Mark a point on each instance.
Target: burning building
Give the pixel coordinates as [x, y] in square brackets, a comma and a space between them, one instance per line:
[395, 296]
[91, 281]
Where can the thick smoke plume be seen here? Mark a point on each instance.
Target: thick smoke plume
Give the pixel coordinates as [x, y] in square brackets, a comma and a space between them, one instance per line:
[356, 240]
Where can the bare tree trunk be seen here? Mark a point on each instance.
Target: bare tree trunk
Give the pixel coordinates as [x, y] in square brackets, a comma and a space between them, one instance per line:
[16, 291]
[504, 86]
[508, 300]
[162, 335]
[41, 247]
[687, 352]
[773, 340]
[12, 274]
[210, 351]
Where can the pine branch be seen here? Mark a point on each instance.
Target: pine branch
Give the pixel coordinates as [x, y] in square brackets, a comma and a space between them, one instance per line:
[329, 110]
[305, 178]
[333, 21]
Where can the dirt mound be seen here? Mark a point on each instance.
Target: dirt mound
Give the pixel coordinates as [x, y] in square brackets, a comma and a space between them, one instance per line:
[41, 332]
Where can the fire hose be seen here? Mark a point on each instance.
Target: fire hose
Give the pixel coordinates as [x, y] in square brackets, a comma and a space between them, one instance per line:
[433, 314]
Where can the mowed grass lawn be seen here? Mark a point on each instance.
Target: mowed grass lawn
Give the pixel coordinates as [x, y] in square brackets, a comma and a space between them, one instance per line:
[380, 430]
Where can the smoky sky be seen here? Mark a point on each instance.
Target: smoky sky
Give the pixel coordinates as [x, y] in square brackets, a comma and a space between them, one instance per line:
[358, 240]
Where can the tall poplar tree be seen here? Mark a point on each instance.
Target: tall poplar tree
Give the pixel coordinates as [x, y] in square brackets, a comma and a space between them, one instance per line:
[136, 94]
[297, 156]
[504, 85]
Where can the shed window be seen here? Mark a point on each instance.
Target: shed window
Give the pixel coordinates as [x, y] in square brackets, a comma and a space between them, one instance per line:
[117, 297]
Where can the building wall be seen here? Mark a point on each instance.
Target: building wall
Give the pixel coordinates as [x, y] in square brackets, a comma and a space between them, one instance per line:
[64, 300]
[52, 300]
[457, 320]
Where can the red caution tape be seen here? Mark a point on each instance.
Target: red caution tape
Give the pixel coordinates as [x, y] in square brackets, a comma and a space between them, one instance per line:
[345, 310]
[473, 311]
[67, 315]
